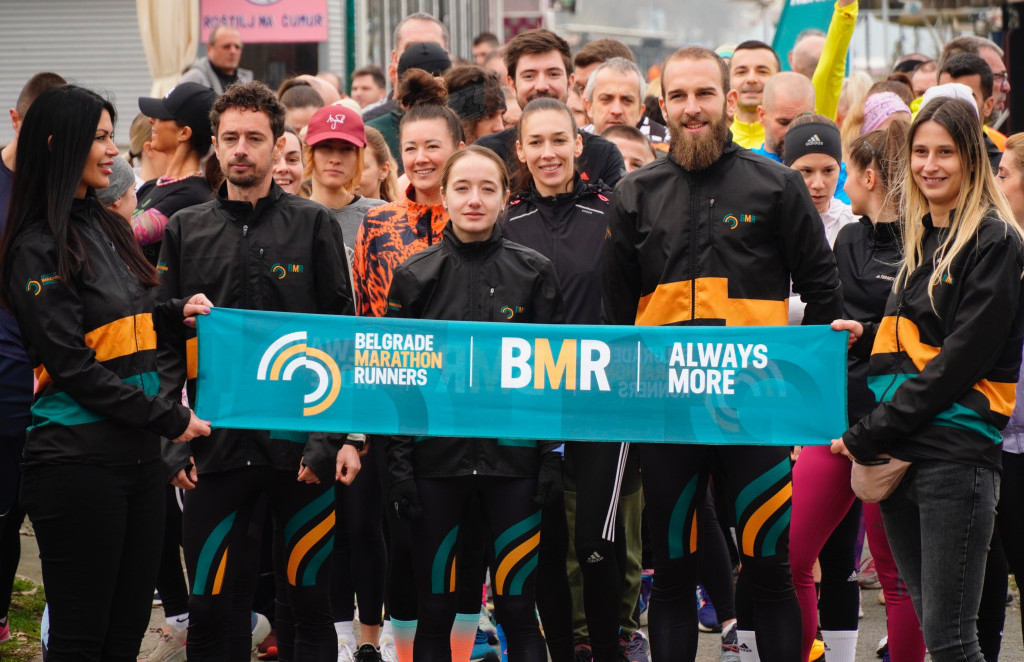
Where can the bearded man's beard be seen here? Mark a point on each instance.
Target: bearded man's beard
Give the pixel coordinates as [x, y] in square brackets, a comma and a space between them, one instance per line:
[698, 151]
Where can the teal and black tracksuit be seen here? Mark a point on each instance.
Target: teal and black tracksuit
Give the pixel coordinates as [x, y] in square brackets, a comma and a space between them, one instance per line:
[233, 252]
[92, 482]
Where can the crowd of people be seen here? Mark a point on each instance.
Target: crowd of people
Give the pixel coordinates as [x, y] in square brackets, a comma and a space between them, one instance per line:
[712, 190]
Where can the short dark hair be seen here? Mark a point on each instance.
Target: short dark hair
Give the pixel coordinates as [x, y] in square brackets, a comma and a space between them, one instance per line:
[295, 93]
[35, 86]
[254, 96]
[533, 42]
[756, 45]
[486, 38]
[966, 64]
[697, 53]
[629, 133]
[602, 50]
[372, 70]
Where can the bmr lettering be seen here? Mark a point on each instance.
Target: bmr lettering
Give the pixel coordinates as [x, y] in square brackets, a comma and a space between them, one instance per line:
[577, 364]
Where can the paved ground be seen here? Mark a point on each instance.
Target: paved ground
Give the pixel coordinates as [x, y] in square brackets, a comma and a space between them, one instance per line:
[872, 626]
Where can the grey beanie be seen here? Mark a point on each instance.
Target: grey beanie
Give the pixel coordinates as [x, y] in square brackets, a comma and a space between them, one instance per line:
[121, 179]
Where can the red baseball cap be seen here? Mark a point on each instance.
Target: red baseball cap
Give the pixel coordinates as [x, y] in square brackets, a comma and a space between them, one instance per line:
[336, 122]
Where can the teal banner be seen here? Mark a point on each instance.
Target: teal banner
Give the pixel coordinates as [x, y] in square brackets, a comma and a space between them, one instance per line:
[713, 385]
[797, 16]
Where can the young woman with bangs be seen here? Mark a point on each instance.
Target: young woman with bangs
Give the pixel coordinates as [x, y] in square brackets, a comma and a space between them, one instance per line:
[943, 368]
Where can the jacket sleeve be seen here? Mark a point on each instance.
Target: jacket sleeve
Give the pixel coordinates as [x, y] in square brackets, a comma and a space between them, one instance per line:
[53, 318]
[404, 296]
[980, 326]
[831, 69]
[812, 266]
[363, 270]
[171, 337]
[605, 163]
[622, 279]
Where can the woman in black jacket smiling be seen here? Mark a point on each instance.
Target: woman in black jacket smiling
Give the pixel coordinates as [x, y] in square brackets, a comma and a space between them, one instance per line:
[475, 274]
[83, 296]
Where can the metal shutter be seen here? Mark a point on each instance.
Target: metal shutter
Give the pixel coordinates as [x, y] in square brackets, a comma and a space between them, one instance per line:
[95, 44]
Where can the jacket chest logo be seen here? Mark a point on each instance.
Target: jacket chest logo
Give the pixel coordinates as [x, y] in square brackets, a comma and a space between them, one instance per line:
[35, 286]
[734, 220]
[511, 311]
[281, 270]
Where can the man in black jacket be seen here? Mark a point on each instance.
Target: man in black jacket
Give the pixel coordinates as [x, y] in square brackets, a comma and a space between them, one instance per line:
[233, 249]
[712, 235]
[540, 65]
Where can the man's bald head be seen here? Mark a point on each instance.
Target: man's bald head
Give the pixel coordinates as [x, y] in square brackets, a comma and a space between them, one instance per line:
[787, 95]
[791, 86]
[806, 52]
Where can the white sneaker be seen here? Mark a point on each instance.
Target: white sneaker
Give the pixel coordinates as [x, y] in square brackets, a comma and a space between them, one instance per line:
[259, 631]
[346, 648]
[171, 647]
[388, 652]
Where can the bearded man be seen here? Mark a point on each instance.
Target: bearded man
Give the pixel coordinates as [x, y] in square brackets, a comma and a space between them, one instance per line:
[713, 235]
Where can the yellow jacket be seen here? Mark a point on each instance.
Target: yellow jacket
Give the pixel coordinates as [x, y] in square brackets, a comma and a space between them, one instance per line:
[831, 69]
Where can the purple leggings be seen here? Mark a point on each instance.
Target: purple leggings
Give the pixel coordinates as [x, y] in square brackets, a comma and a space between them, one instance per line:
[821, 499]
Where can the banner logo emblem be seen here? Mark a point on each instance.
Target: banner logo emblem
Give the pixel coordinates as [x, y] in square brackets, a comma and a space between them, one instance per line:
[290, 352]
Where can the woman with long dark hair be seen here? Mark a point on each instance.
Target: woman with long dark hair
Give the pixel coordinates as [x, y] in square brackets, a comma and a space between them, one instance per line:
[81, 292]
[943, 368]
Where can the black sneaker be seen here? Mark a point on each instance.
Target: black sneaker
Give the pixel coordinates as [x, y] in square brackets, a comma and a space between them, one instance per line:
[583, 653]
[368, 653]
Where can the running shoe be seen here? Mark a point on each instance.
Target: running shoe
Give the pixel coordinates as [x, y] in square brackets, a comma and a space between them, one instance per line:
[346, 648]
[643, 602]
[635, 648]
[267, 650]
[260, 629]
[368, 653]
[583, 653]
[730, 644]
[482, 649]
[707, 619]
[883, 646]
[171, 647]
[817, 650]
[157, 600]
[387, 647]
[5, 631]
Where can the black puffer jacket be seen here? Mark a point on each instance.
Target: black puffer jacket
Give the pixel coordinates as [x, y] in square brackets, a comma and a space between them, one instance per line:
[285, 254]
[486, 281]
[93, 344]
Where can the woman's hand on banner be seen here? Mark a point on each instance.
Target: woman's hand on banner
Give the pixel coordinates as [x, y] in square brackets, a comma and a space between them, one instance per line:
[855, 328]
[197, 304]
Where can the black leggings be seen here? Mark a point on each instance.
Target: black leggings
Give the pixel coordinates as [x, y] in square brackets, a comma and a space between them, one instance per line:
[360, 558]
[171, 581]
[400, 587]
[600, 539]
[221, 536]
[10, 554]
[99, 531]
[757, 484]
[513, 525]
[554, 598]
[839, 604]
[715, 564]
[1009, 515]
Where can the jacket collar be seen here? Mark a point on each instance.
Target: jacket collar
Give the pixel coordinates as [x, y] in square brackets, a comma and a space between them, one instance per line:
[473, 249]
[241, 209]
[729, 152]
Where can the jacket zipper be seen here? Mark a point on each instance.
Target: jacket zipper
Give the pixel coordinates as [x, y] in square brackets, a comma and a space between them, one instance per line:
[711, 221]
[694, 215]
[245, 267]
[260, 276]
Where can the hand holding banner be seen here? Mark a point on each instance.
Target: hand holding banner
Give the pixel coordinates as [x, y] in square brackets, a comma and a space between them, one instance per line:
[714, 385]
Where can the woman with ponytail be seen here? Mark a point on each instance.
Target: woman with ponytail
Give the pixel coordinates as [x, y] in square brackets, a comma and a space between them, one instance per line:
[82, 294]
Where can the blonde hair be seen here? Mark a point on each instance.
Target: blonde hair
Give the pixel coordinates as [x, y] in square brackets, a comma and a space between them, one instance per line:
[376, 143]
[851, 100]
[978, 194]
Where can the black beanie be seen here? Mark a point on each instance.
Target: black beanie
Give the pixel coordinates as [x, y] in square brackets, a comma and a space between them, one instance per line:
[812, 138]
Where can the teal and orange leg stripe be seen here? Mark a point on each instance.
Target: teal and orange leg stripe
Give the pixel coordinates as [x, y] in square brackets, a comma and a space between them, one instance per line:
[681, 542]
[309, 540]
[763, 510]
[442, 570]
[214, 552]
[521, 540]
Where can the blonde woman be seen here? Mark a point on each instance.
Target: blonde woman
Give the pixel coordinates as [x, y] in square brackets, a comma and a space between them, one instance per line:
[943, 368]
